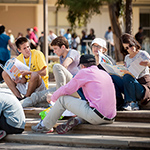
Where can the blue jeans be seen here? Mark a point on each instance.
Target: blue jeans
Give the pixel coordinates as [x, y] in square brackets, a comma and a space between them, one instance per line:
[83, 49]
[129, 86]
[133, 90]
[118, 83]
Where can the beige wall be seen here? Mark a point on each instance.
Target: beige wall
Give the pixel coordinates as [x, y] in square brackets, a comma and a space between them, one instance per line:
[17, 18]
[99, 23]
[136, 20]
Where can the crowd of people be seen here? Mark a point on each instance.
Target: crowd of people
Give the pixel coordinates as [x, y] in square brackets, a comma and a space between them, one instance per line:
[83, 86]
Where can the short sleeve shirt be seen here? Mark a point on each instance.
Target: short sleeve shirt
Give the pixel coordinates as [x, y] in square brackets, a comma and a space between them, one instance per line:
[129, 60]
[37, 63]
[75, 56]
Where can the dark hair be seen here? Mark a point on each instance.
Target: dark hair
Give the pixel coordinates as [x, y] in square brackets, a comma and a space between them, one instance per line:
[89, 64]
[129, 39]
[140, 28]
[28, 29]
[74, 35]
[59, 41]
[2, 29]
[109, 28]
[83, 32]
[92, 30]
[21, 41]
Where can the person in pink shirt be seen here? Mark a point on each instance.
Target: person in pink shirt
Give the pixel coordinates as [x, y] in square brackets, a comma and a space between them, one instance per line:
[98, 108]
[32, 38]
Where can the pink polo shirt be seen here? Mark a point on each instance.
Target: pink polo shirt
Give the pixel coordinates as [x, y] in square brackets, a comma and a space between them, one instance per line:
[98, 89]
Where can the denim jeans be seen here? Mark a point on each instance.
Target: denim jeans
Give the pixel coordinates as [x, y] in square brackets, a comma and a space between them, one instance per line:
[129, 86]
[133, 90]
[118, 83]
[83, 49]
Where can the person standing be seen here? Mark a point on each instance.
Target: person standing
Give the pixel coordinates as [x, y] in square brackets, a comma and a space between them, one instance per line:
[68, 36]
[139, 36]
[4, 41]
[83, 44]
[91, 36]
[110, 42]
[32, 38]
[4, 52]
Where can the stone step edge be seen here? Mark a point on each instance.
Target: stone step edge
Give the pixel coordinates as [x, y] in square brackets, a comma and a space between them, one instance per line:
[80, 140]
[117, 128]
[143, 113]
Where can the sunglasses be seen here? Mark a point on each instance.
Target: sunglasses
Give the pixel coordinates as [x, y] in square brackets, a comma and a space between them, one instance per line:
[98, 47]
[128, 47]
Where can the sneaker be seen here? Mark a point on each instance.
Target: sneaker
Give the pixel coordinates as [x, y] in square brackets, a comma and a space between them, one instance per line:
[134, 105]
[65, 127]
[131, 106]
[127, 107]
[2, 134]
[42, 129]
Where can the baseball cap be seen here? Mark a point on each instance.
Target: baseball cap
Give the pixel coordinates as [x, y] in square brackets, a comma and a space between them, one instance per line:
[36, 29]
[100, 42]
[86, 59]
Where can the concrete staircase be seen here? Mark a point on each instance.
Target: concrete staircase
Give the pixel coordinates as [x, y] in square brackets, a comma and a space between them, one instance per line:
[130, 130]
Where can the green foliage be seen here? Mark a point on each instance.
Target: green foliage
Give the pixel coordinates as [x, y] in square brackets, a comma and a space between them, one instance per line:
[50, 66]
[80, 11]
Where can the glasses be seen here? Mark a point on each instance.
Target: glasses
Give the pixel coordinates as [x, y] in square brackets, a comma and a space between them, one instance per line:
[98, 47]
[128, 47]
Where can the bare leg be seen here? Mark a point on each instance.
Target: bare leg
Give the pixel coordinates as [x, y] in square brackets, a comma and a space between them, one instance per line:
[34, 82]
[11, 84]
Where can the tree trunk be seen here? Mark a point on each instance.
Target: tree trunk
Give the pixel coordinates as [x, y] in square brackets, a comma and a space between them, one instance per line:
[129, 15]
[116, 31]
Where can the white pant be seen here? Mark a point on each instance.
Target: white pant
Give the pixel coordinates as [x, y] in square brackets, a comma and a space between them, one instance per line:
[62, 77]
[75, 105]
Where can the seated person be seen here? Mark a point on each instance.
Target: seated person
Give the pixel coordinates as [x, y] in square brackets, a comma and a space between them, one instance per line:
[36, 79]
[63, 72]
[136, 89]
[10, 123]
[99, 106]
[99, 46]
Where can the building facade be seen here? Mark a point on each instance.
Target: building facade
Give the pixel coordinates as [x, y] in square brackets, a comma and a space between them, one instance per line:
[18, 15]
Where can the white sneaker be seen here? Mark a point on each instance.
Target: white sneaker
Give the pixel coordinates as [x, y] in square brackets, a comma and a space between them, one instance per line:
[127, 107]
[131, 106]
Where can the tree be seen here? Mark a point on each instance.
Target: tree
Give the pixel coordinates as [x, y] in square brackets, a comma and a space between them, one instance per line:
[129, 16]
[80, 11]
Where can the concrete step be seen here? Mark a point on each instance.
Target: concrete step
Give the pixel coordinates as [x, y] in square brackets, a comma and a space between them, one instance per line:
[75, 140]
[127, 116]
[117, 128]
[34, 121]
[133, 116]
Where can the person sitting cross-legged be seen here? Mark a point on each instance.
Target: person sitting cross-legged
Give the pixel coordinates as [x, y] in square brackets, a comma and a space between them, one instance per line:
[98, 108]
